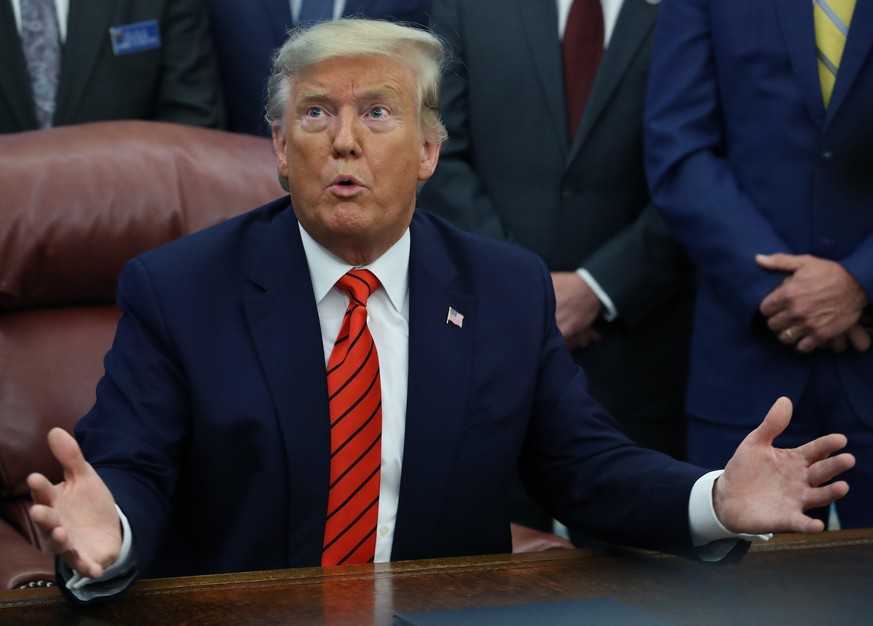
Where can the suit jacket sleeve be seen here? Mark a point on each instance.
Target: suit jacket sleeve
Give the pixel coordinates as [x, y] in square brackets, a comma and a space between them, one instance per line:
[691, 181]
[455, 191]
[144, 383]
[578, 463]
[188, 91]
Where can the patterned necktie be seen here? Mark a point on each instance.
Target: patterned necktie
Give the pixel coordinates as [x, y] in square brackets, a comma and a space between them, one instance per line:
[312, 11]
[832, 18]
[355, 393]
[41, 41]
[582, 50]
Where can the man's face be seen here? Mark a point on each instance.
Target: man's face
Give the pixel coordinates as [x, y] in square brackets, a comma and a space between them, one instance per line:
[353, 153]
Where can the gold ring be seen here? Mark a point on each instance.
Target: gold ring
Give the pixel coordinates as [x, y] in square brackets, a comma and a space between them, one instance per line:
[789, 334]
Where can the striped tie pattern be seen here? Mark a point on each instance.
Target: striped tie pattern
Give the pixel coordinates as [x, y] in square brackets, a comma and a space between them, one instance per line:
[355, 393]
[832, 19]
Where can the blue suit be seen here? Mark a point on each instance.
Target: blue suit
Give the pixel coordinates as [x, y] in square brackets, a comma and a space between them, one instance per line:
[211, 422]
[743, 158]
[246, 35]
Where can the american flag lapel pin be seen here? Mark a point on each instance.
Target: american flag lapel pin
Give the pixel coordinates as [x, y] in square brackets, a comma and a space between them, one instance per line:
[454, 317]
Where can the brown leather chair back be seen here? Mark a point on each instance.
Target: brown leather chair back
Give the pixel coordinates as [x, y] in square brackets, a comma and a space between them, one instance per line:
[76, 203]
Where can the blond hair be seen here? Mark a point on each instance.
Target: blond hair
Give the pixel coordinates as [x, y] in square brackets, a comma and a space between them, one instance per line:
[350, 37]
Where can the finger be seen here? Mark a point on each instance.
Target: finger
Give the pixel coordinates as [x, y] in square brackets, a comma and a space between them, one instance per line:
[779, 261]
[821, 497]
[66, 450]
[42, 491]
[821, 448]
[802, 523]
[807, 344]
[773, 304]
[775, 422]
[788, 336]
[45, 518]
[779, 320]
[827, 469]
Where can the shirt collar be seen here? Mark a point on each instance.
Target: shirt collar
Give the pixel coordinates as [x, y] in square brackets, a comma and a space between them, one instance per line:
[392, 268]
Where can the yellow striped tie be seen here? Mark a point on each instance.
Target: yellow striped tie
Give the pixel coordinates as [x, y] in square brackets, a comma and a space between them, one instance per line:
[832, 19]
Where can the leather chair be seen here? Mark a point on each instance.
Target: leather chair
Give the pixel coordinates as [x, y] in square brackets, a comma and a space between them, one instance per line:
[75, 204]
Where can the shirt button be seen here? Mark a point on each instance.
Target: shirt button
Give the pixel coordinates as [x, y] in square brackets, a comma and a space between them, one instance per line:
[383, 531]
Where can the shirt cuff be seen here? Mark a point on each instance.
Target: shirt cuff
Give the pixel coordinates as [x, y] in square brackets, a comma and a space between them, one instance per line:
[609, 310]
[708, 534]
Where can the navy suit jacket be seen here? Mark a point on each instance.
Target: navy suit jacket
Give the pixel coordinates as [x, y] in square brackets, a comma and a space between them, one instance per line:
[211, 422]
[247, 34]
[744, 158]
[177, 82]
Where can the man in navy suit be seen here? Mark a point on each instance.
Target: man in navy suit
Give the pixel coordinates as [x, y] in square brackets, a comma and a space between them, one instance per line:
[211, 445]
[247, 34]
[765, 174]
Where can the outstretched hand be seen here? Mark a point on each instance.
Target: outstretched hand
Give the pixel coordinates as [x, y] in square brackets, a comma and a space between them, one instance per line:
[766, 489]
[77, 517]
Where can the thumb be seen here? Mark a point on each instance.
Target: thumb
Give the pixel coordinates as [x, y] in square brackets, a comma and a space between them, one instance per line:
[779, 262]
[775, 422]
[66, 450]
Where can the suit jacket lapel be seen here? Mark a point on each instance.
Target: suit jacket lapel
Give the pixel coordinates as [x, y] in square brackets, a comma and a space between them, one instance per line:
[857, 51]
[87, 30]
[635, 22]
[283, 321]
[540, 23]
[440, 361]
[798, 31]
[15, 88]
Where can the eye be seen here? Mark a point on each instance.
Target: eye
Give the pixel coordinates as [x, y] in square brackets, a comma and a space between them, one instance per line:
[314, 112]
[379, 112]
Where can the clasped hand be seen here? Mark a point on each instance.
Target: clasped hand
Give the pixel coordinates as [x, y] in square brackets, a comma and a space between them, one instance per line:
[818, 305]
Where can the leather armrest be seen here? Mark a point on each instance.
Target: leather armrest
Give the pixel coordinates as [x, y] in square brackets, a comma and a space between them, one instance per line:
[22, 564]
[525, 539]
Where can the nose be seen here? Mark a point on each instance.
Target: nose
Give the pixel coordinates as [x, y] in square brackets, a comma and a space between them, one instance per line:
[346, 141]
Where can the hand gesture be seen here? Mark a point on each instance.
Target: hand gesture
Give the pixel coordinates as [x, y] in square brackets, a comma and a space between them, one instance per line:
[766, 489]
[76, 517]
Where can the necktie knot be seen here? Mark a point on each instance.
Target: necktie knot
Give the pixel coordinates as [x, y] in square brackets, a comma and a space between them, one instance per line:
[359, 284]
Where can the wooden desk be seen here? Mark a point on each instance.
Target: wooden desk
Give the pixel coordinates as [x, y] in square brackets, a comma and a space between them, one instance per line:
[820, 579]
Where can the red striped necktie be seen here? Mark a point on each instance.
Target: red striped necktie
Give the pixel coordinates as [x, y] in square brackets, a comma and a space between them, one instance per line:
[355, 393]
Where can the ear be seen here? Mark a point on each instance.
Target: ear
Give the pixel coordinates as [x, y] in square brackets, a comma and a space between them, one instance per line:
[279, 144]
[430, 156]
